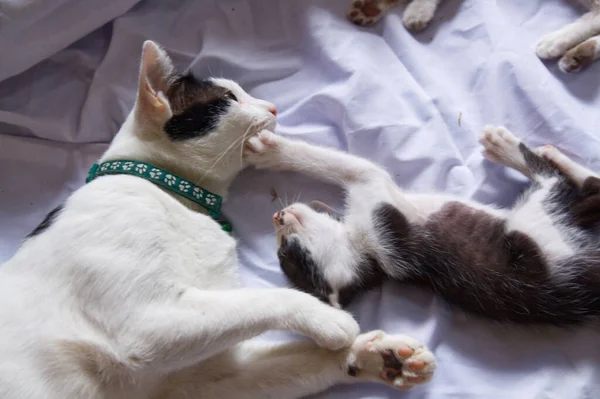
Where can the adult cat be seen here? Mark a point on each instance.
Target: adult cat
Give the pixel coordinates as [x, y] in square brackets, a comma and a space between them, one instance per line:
[538, 262]
[129, 289]
[578, 44]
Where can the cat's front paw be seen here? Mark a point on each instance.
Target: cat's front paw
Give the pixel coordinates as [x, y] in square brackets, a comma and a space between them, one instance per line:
[331, 328]
[396, 360]
[264, 150]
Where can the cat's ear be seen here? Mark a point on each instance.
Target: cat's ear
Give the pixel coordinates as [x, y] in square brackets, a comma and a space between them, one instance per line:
[324, 208]
[156, 73]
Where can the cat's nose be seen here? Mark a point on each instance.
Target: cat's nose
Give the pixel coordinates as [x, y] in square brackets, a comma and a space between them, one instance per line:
[273, 110]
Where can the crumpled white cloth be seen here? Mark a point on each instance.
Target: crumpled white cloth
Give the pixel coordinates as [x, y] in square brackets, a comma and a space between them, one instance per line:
[414, 104]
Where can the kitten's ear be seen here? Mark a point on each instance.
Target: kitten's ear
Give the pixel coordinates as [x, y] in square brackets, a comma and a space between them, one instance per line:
[323, 207]
[156, 73]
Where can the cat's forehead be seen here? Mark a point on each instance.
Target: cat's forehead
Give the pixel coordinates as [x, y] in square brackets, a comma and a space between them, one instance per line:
[186, 90]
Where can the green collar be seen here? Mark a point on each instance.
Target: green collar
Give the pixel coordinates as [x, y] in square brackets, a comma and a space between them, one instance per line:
[209, 201]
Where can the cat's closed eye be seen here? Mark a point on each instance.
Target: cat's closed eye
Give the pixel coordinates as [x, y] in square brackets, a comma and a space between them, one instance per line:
[231, 96]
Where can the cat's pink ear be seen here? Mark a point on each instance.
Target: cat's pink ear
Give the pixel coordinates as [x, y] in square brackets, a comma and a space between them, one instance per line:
[323, 207]
[156, 72]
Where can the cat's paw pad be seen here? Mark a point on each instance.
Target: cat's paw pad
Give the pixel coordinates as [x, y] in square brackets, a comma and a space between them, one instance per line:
[499, 143]
[396, 360]
[578, 57]
[418, 15]
[552, 45]
[367, 12]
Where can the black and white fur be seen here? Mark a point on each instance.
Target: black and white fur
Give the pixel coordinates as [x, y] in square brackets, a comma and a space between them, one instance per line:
[131, 291]
[536, 263]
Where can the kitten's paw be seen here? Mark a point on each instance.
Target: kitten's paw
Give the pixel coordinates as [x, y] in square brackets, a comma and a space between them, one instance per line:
[367, 12]
[331, 328]
[396, 360]
[579, 57]
[263, 150]
[418, 15]
[500, 145]
[553, 45]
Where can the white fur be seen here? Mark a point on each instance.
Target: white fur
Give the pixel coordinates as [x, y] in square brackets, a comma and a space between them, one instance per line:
[132, 293]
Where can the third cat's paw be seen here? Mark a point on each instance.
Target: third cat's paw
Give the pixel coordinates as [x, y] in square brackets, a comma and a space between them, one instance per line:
[396, 360]
[579, 56]
[418, 15]
[553, 45]
[367, 12]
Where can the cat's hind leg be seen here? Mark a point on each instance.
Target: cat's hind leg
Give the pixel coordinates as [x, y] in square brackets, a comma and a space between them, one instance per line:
[254, 370]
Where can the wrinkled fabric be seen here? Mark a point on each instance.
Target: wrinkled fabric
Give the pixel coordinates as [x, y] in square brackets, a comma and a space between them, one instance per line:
[414, 104]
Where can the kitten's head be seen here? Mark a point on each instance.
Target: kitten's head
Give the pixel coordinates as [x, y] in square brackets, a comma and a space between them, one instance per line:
[312, 249]
[190, 126]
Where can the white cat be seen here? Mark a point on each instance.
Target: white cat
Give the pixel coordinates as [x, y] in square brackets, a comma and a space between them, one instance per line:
[129, 290]
[578, 44]
[535, 263]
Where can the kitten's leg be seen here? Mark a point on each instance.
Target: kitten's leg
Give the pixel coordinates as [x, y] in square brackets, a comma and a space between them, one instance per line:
[557, 43]
[367, 12]
[576, 173]
[419, 13]
[503, 147]
[199, 324]
[269, 151]
[581, 56]
[292, 370]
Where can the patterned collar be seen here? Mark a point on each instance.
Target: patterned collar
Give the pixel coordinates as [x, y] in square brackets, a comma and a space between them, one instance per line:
[209, 201]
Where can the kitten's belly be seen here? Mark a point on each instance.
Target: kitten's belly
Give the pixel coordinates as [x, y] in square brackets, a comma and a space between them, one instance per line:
[472, 235]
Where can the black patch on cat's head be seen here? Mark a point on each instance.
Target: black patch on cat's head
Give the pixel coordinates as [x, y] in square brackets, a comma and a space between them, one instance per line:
[197, 107]
[47, 222]
[298, 264]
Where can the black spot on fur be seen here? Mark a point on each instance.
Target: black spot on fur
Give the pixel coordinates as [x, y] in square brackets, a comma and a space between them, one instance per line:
[370, 275]
[301, 270]
[536, 164]
[47, 222]
[197, 107]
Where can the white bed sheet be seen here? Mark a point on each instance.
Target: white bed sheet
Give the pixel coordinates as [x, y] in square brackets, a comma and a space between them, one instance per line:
[414, 104]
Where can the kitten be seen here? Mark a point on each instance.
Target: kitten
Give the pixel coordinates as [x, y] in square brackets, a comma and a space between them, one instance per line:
[537, 263]
[578, 44]
[129, 290]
